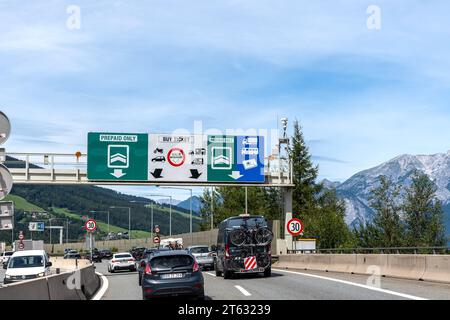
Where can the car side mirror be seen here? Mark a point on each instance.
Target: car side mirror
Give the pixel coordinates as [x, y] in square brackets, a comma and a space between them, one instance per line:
[49, 264]
[5, 266]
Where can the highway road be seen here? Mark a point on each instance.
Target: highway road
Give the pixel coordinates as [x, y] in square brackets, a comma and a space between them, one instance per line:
[288, 285]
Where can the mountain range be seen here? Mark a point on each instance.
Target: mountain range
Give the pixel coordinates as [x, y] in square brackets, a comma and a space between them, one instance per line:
[356, 190]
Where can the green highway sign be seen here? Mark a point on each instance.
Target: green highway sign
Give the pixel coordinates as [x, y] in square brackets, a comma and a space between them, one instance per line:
[175, 158]
[117, 156]
[221, 162]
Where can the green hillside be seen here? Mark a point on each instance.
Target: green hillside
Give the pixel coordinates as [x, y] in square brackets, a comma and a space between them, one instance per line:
[74, 202]
[22, 204]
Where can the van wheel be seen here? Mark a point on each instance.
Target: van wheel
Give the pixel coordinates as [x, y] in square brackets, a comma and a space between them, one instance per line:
[227, 274]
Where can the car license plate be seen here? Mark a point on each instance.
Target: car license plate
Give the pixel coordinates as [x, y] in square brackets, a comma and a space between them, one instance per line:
[252, 270]
[172, 276]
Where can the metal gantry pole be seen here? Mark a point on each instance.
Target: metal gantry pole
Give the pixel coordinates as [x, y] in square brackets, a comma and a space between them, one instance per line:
[170, 217]
[152, 220]
[212, 208]
[246, 200]
[129, 225]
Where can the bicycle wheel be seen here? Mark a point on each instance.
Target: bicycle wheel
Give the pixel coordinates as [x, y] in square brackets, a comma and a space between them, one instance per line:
[263, 236]
[237, 237]
[263, 260]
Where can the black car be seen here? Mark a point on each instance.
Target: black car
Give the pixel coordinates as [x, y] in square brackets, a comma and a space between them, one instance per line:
[96, 256]
[137, 253]
[171, 274]
[72, 256]
[143, 261]
[106, 254]
[243, 246]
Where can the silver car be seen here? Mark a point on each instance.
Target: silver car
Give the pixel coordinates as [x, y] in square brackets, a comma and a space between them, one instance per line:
[204, 256]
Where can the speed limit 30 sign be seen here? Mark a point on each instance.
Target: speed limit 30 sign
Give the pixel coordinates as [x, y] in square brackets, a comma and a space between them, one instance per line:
[91, 225]
[295, 227]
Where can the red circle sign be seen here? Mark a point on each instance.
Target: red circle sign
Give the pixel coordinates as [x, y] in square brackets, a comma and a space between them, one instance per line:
[21, 246]
[21, 236]
[295, 227]
[176, 157]
[156, 239]
[91, 225]
[157, 230]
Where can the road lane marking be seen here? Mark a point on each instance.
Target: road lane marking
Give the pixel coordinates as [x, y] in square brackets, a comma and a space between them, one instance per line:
[105, 284]
[211, 274]
[243, 291]
[403, 295]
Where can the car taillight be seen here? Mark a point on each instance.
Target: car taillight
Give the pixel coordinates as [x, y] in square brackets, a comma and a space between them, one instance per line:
[227, 251]
[148, 270]
[195, 267]
[131, 260]
[113, 261]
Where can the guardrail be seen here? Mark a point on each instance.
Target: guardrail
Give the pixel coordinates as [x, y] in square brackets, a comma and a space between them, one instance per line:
[387, 250]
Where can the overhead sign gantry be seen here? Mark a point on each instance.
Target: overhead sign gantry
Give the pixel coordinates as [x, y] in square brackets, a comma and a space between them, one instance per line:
[175, 158]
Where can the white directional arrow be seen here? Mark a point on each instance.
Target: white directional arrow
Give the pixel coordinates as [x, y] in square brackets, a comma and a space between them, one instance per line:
[236, 175]
[118, 173]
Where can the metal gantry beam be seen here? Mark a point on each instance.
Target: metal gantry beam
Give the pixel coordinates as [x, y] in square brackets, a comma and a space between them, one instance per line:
[67, 169]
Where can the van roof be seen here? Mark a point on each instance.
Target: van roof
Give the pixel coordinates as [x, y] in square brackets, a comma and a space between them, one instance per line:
[243, 217]
[29, 253]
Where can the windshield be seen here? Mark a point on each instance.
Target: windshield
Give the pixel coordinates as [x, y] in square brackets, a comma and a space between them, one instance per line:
[170, 262]
[248, 222]
[122, 256]
[200, 250]
[26, 262]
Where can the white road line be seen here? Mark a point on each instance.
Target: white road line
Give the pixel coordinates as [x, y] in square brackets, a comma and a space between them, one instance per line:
[102, 291]
[407, 296]
[243, 291]
[211, 274]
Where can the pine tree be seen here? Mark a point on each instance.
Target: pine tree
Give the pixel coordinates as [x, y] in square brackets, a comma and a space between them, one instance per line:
[423, 213]
[304, 173]
[329, 220]
[386, 222]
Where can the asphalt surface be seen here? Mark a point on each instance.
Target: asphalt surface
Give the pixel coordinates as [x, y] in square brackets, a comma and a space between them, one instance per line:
[288, 285]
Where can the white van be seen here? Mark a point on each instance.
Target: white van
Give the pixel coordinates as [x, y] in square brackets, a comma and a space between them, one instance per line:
[26, 265]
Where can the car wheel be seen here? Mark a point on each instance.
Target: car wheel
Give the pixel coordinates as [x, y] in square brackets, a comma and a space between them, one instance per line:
[140, 281]
[218, 272]
[268, 272]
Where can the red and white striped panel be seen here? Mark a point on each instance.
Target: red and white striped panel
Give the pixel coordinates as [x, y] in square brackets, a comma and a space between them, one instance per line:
[250, 263]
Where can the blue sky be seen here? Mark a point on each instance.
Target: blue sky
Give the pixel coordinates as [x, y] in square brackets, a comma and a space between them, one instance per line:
[363, 96]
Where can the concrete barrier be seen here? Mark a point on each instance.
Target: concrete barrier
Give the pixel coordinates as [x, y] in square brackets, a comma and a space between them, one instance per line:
[320, 262]
[36, 289]
[90, 282]
[415, 267]
[83, 284]
[300, 261]
[365, 262]
[342, 263]
[437, 268]
[406, 266]
[59, 290]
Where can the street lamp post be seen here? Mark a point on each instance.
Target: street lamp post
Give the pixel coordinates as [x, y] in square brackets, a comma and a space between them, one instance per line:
[170, 209]
[129, 219]
[190, 205]
[104, 211]
[151, 214]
